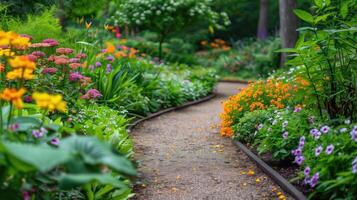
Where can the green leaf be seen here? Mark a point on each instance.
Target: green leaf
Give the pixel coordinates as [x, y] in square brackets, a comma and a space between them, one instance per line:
[322, 3]
[344, 9]
[43, 158]
[26, 123]
[68, 181]
[96, 152]
[304, 15]
[286, 50]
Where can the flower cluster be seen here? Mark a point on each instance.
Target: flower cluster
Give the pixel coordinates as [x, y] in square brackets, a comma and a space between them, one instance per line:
[216, 44]
[259, 95]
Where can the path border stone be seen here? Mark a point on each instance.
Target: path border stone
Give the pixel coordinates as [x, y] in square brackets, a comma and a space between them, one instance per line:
[280, 180]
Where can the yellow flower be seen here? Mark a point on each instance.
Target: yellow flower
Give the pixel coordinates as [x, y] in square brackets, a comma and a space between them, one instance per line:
[12, 39]
[14, 96]
[20, 42]
[6, 52]
[22, 62]
[50, 102]
[88, 25]
[26, 74]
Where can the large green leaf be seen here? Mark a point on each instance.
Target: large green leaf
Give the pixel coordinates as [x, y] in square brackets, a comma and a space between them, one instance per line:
[42, 158]
[95, 152]
[26, 123]
[304, 15]
[68, 181]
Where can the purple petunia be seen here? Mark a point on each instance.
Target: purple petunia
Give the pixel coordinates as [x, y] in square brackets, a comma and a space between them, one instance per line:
[314, 179]
[74, 76]
[325, 129]
[302, 142]
[285, 135]
[307, 171]
[343, 130]
[110, 58]
[316, 133]
[329, 149]
[55, 141]
[353, 134]
[354, 166]
[299, 160]
[285, 123]
[260, 126]
[318, 150]
[297, 152]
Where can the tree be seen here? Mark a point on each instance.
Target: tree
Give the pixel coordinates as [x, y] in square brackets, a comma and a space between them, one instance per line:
[288, 26]
[262, 32]
[166, 16]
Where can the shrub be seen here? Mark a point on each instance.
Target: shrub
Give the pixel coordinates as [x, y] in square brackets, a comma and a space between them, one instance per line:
[246, 129]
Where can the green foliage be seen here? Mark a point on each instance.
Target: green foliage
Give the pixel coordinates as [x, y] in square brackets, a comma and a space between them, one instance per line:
[246, 129]
[327, 51]
[41, 27]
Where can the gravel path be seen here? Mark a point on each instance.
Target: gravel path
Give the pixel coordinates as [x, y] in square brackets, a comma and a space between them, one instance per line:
[182, 156]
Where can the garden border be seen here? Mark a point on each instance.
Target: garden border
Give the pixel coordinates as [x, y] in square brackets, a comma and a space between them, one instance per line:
[280, 180]
[185, 105]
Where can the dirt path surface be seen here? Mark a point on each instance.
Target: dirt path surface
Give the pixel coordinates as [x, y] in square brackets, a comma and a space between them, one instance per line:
[183, 157]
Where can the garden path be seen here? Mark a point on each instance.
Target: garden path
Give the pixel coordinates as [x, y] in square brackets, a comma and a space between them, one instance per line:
[183, 157]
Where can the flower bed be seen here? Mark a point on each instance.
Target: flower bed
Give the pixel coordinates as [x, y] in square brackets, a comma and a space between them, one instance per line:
[64, 114]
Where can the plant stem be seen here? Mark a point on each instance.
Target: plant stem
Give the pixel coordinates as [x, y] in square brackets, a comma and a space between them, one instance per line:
[1, 120]
[10, 115]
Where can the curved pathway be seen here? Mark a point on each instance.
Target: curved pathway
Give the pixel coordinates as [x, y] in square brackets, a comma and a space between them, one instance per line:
[182, 156]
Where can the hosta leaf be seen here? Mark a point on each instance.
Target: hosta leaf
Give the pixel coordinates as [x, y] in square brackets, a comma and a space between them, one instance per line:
[43, 158]
[96, 152]
[26, 123]
[68, 181]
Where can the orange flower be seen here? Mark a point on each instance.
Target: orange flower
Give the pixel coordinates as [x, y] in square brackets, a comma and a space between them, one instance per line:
[88, 25]
[14, 96]
[110, 48]
[2, 68]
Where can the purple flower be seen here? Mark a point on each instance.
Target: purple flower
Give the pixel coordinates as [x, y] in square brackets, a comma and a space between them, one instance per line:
[307, 171]
[299, 160]
[260, 126]
[110, 58]
[55, 141]
[297, 152]
[74, 76]
[354, 166]
[28, 99]
[302, 142]
[329, 149]
[297, 109]
[306, 181]
[91, 67]
[285, 135]
[316, 133]
[98, 64]
[285, 123]
[353, 134]
[311, 119]
[109, 68]
[26, 195]
[318, 150]
[37, 133]
[14, 127]
[314, 179]
[325, 129]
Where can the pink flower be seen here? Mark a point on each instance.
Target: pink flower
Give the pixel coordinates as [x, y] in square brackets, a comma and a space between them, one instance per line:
[81, 55]
[38, 54]
[74, 60]
[64, 51]
[61, 61]
[51, 42]
[75, 76]
[31, 57]
[75, 65]
[49, 70]
[92, 94]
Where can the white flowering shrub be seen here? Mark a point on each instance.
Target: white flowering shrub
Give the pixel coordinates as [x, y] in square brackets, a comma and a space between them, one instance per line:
[167, 16]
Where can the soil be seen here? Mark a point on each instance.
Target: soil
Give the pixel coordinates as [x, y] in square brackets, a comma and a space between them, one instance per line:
[182, 156]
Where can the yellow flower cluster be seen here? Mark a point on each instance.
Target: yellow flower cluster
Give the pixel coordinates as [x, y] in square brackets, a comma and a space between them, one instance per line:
[259, 95]
[50, 102]
[23, 68]
[13, 40]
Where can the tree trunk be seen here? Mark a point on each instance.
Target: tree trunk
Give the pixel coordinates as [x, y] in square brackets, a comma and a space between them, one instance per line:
[262, 32]
[62, 14]
[288, 26]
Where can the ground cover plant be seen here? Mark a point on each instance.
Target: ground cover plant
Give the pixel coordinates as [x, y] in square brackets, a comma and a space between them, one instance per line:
[307, 116]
